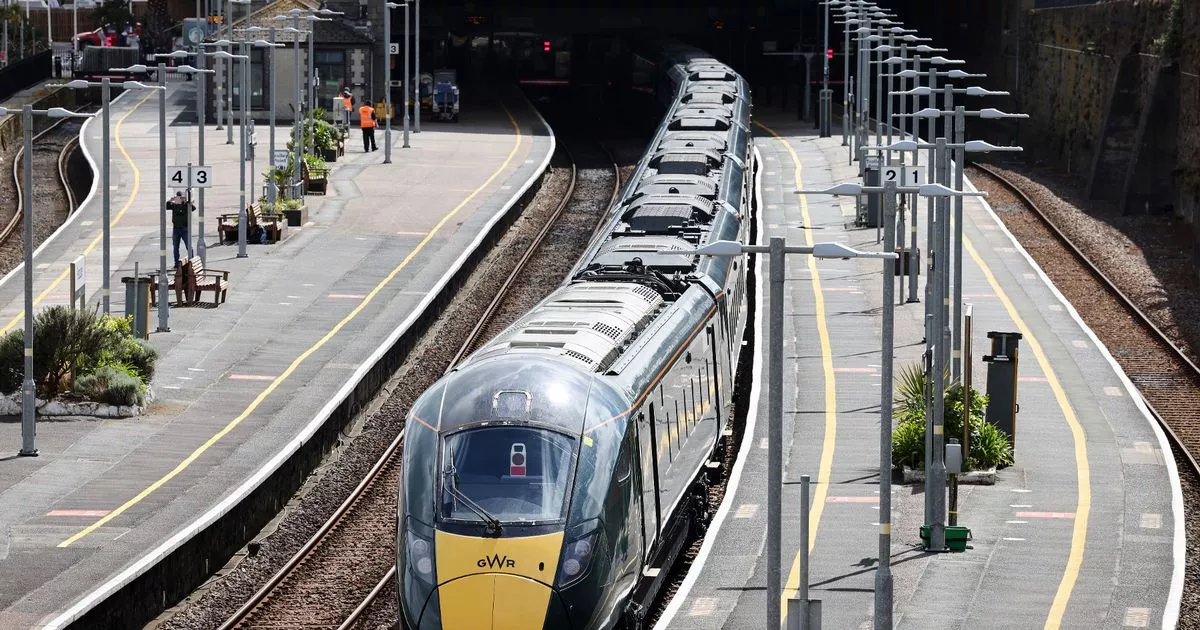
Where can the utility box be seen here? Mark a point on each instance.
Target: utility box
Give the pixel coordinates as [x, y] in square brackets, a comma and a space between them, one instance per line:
[872, 176]
[137, 304]
[1002, 382]
[903, 266]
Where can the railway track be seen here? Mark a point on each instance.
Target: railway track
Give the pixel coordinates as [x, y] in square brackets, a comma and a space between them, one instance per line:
[312, 588]
[63, 129]
[1167, 379]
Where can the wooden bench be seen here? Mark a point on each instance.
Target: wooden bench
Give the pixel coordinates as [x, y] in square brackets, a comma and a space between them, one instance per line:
[176, 280]
[200, 280]
[316, 180]
[227, 225]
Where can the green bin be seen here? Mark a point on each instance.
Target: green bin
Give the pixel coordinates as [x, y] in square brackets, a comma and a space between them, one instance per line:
[956, 537]
[137, 304]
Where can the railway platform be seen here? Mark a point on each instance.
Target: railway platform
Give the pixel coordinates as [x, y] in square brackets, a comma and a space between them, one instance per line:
[240, 387]
[1084, 531]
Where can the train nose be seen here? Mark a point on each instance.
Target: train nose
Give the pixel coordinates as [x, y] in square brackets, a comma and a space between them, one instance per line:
[494, 601]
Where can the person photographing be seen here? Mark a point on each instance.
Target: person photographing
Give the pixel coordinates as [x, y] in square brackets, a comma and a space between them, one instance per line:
[181, 211]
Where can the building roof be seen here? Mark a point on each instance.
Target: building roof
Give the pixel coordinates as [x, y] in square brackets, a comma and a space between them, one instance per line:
[336, 32]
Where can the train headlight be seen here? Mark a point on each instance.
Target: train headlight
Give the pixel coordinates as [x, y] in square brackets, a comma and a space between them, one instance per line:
[577, 555]
[420, 556]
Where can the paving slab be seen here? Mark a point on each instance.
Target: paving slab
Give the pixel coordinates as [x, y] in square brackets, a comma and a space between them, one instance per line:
[1084, 531]
[238, 382]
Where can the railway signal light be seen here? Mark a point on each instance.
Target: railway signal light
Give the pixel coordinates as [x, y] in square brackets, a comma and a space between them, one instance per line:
[546, 45]
[829, 53]
[516, 460]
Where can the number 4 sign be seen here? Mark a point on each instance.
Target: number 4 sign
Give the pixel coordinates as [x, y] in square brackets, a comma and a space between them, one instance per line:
[189, 176]
[904, 175]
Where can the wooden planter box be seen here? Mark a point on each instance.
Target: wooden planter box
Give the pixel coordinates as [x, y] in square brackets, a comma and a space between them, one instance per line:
[297, 218]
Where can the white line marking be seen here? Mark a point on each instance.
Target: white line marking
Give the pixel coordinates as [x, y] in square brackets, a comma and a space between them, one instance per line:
[747, 510]
[1112, 391]
[1136, 618]
[1151, 521]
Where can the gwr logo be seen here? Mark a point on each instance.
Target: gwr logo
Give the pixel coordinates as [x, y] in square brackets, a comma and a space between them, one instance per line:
[496, 562]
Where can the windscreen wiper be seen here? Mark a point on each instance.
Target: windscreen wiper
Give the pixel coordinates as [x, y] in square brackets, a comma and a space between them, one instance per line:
[449, 479]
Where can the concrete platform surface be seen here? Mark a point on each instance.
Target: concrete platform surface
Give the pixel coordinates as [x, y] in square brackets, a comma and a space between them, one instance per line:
[237, 384]
[1084, 531]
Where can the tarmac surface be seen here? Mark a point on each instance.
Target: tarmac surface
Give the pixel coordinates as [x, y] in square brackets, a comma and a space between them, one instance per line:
[1084, 531]
[236, 383]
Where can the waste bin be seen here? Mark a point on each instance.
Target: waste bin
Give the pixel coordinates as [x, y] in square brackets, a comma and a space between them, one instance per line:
[137, 304]
[1002, 382]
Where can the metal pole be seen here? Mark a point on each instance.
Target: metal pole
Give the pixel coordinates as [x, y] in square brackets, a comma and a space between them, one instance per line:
[407, 77]
[201, 115]
[416, 109]
[775, 433]
[106, 194]
[879, 122]
[960, 121]
[387, 80]
[162, 198]
[916, 126]
[242, 217]
[297, 145]
[846, 83]
[948, 133]
[804, 558]
[229, 78]
[883, 573]
[936, 470]
[271, 154]
[28, 394]
[312, 85]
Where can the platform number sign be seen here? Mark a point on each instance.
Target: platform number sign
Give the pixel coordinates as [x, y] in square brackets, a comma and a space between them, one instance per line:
[904, 175]
[189, 176]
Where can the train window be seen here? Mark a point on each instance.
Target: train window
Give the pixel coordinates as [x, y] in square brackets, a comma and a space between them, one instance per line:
[510, 474]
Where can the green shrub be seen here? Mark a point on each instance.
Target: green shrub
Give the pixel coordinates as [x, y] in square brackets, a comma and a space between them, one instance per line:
[112, 384]
[12, 361]
[70, 345]
[908, 445]
[140, 355]
[989, 447]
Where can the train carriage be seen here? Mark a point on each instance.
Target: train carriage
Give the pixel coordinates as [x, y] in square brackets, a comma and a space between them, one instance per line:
[550, 479]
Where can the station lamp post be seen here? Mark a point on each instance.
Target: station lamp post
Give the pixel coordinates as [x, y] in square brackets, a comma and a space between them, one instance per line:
[387, 78]
[776, 252]
[28, 391]
[888, 192]
[244, 57]
[271, 45]
[937, 336]
[162, 179]
[960, 114]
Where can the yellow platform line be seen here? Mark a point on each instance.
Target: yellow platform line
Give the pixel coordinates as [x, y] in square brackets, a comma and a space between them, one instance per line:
[829, 445]
[1082, 469]
[183, 465]
[137, 184]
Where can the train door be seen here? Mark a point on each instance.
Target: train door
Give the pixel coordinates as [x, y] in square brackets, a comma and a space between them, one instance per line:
[648, 474]
[629, 498]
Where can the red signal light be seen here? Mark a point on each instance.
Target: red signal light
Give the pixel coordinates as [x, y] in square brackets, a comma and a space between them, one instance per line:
[829, 53]
[546, 46]
[516, 460]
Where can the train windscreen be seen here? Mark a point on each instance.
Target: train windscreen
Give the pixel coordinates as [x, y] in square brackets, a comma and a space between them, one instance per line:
[512, 474]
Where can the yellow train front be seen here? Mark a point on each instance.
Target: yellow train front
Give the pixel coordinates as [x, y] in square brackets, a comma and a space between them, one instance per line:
[506, 503]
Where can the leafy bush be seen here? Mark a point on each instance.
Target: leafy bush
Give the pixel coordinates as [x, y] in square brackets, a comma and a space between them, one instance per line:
[79, 351]
[112, 384]
[315, 162]
[280, 205]
[140, 356]
[908, 445]
[988, 446]
[12, 361]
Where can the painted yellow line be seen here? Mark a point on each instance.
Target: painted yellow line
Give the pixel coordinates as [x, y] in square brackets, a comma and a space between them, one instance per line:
[1082, 470]
[137, 184]
[307, 353]
[825, 468]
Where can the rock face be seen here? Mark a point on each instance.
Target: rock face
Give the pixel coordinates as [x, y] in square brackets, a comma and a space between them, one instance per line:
[11, 406]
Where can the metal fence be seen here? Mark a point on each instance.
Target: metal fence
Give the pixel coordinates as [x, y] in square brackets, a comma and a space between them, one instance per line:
[24, 73]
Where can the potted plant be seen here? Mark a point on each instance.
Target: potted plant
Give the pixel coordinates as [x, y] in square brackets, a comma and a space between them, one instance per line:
[293, 209]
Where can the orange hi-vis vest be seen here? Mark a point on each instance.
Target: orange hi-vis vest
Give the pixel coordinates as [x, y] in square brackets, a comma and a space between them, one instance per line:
[348, 102]
[364, 116]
